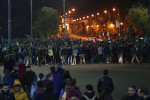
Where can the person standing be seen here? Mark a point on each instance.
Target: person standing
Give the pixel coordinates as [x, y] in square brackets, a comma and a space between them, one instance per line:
[50, 54]
[29, 80]
[89, 93]
[5, 93]
[18, 91]
[105, 83]
[75, 52]
[100, 54]
[69, 55]
[131, 94]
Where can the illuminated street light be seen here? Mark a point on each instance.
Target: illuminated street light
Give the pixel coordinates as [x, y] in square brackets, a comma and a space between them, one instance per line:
[104, 25]
[66, 14]
[69, 12]
[121, 23]
[87, 26]
[111, 25]
[83, 17]
[92, 26]
[88, 17]
[92, 15]
[105, 11]
[97, 25]
[98, 14]
[79, 18]
[73, 9]
[114, 9]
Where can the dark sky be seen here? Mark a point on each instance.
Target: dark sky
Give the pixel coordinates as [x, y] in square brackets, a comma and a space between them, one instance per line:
[20, 10]
[91, 6]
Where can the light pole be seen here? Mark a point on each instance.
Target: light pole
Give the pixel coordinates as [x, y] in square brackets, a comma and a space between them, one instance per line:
[9, 21]
[64, 15]
[31, 19]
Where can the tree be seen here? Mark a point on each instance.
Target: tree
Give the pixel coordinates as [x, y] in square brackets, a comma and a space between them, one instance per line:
[47, 22]
[138, 17]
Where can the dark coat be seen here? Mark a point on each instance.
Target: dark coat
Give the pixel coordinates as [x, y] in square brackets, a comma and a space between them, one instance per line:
[38, 94]
[6, 96]
[135, 97]
[58, 82]
[105, 83]
[9, 79]
[29, 78]
[49, 95]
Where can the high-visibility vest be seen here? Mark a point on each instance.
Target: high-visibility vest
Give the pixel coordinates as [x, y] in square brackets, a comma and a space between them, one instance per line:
[50, 52]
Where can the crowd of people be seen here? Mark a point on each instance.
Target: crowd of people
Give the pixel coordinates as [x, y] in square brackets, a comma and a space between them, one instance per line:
[52, 51]
[22, 84]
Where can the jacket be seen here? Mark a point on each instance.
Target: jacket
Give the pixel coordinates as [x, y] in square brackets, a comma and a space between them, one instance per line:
[21, 70]
[49, 95]
[6, 96]
[29, 78]
[89, 95]
[135, 97]
[38, 94]
[21, 95]
[105, 83]
[72, 91]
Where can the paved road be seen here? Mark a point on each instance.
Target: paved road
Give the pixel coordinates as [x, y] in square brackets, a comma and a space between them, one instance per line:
[123, 75]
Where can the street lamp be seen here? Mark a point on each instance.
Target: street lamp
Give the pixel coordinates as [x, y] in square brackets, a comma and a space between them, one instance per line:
[31, 19]
[105, 11]
[73, 9]
[83, 17]
[114, 9]
[121, 23]
[111, 25]
[92, 15]
[9, 22]
[87, 17]
[98, 14]
[69, 12]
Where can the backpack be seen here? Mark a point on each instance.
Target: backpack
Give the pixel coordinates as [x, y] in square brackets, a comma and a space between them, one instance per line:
[88, 98]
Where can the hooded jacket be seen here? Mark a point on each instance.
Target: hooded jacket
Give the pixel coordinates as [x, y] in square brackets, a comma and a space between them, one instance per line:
[21, 95]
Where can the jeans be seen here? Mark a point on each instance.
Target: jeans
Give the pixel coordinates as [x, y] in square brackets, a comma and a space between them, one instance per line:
[28, 91]
[69, 59]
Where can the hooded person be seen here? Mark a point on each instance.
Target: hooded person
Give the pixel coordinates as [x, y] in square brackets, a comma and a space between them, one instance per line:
[60, 70]
[18, 91]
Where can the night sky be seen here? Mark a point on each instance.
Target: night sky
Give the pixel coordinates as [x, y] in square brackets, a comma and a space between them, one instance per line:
[90, 6]
[20, 10]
